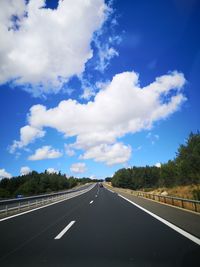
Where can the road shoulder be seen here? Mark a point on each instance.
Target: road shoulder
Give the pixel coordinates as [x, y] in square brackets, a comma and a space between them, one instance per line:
[188, 221]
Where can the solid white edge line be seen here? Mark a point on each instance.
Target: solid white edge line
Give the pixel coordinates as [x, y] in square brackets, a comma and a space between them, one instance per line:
[110, 190]
[174, 227]
[28, 211]
[65, 230]
[91, 201]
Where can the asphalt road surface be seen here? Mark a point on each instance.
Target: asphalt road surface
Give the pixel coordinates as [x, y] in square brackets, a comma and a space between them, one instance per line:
[98, 228]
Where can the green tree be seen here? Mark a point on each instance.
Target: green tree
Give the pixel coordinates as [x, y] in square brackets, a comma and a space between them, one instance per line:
[188, 160]
[168, 174]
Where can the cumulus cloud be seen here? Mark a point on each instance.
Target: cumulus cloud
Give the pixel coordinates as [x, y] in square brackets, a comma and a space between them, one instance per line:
[25, 170]
[27, 135]
[109, 154]
[122, 107]
[79, 167]
[45, 152]
[52, 170]
[4, 174]
[40, 47]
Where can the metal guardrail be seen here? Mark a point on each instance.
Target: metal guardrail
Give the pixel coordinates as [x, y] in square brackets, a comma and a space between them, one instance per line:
[184, 203]
[26, 205]
[23, 199]
[14, 206]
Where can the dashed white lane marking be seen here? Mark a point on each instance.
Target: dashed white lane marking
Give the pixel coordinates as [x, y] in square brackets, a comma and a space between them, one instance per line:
[64, 230]
[91, 201]
[174, 227]
[95, 195]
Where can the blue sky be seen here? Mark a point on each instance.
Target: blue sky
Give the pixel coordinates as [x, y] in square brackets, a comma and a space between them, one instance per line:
[88, 87]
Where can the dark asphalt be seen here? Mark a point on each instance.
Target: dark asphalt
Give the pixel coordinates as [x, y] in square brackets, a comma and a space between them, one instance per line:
[186, 220]
[108, 232]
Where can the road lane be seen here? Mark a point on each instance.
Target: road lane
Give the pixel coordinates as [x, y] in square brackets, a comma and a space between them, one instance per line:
[110, 232]
[174, 227]
[187, 220]
[40, 225]
[29, 201]
[118, 234]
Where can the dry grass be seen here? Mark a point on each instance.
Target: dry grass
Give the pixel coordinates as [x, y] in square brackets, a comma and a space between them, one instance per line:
[184, 191]
[178, 191]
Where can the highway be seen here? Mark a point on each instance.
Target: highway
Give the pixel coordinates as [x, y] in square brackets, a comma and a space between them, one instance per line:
[97, 228]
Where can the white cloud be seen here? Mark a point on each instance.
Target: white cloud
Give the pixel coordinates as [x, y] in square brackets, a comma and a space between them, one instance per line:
[102, 85]
[106, 45]
[79, 167]
[93, 177]
[109, 154]
[45, 152]
[52, 170]
[4, 174]
[105, 53]
[27, 135]
[122, 107]
[87, 93]
[25, 170]
[44, 47]
[69, 91]
[70, 152]
[158, 165]
[89, 90]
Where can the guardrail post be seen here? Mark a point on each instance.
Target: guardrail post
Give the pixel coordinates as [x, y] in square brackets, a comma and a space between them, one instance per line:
[19, 206]
[195, 206]
[182, 203]
[6, 210]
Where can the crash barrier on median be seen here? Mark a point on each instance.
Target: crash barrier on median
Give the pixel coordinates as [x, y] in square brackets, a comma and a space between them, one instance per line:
[193, 205]
[14, 206]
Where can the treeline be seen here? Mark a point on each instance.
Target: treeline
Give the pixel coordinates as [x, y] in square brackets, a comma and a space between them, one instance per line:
[183, 170]
[36, 183]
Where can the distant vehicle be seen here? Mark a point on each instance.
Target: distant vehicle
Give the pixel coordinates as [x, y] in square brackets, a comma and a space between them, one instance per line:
[19, 196]
[100, 185]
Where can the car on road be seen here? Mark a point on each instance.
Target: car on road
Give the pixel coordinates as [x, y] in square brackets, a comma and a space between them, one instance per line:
[19, 196]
